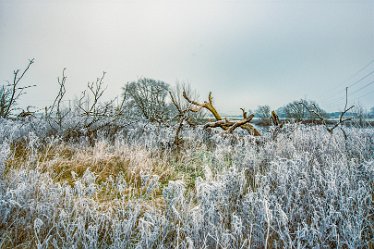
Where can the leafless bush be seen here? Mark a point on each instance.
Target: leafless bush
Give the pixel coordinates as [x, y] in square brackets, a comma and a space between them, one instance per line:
[88, 115]
[185, 111]
[360, 115]
[11, 92]
[56, 114]
[313, 109]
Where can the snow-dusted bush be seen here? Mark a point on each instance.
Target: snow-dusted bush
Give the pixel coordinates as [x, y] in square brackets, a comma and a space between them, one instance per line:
[306, 188]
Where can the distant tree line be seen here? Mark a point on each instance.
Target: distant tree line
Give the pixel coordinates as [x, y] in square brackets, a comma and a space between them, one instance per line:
[155, 101]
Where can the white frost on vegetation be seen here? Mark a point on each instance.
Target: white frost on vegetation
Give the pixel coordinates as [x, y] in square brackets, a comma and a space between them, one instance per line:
[305, 189]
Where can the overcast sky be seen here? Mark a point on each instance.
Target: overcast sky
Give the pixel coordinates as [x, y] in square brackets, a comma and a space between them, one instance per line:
[248, 53]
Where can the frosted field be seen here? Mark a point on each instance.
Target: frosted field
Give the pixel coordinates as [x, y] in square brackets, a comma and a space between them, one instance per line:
[300, 188]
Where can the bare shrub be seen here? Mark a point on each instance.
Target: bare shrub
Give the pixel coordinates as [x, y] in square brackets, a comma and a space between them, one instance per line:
[11, 92]
[185, 111]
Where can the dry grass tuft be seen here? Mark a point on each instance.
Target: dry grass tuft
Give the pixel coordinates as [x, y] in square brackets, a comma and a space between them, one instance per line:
[66, 163]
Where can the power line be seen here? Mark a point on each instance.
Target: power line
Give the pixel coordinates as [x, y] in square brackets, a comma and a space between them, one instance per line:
[366, 94]
[349, 78]
[339, 99]
[355, 98]
[333, 99]
[354, 74]
[358, 81]
[368, 84]
[362, 69]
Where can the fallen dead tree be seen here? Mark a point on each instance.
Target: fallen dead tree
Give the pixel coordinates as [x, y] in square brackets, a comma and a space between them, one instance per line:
[224, 124]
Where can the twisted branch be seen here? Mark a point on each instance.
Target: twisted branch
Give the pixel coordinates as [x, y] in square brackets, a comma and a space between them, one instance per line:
[224, 124]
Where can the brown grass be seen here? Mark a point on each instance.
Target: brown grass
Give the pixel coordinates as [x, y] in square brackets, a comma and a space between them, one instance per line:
[61, 160]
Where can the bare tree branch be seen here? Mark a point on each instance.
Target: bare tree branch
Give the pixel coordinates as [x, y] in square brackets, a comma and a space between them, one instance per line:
[224, 124]
[244, 113]
[10, 96]
[240, 123]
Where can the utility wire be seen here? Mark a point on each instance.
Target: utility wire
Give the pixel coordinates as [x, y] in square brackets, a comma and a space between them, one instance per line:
[368, 84]
[362, 69]
[354, 74]
[351, 77]
[358, 81]
[366, 94]
[339, 98]
[355, 98]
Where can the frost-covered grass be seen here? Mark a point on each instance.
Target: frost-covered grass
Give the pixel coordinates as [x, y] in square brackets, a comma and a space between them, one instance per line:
[306, 188]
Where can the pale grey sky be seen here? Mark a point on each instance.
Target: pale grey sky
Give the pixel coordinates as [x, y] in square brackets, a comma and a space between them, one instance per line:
[247, 53]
